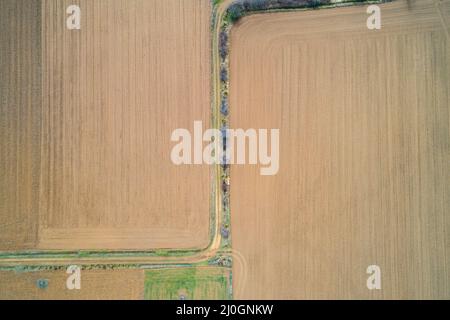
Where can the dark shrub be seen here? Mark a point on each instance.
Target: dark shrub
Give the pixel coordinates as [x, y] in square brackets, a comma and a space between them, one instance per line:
[313, 3]
[223, 37]
[236, 11]
[225, 187]
[225, 232]
[224, 109]
[291, 3]
[43, 283]
[255, 5]
[225, 165]
[223, 51]
[258, 5]
[223, 75]
[223, 44]
[299, 3]
[224, 134]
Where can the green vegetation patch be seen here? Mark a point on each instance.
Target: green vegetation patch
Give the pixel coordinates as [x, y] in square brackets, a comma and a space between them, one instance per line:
[190, 283]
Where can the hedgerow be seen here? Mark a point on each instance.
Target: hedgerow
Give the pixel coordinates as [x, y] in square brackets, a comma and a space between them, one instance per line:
[241, 8]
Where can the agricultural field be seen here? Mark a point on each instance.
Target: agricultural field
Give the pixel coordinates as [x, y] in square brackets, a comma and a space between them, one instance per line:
[95, 284]
[189, 283]
[86, 121]
[19, 126]
[364, 174]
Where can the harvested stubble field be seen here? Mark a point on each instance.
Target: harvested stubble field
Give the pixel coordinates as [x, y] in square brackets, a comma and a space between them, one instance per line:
[364, 173]
[86, 120]
[95, 284]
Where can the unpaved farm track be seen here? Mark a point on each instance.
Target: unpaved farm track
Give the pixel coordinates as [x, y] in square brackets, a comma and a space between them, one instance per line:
[365, 153]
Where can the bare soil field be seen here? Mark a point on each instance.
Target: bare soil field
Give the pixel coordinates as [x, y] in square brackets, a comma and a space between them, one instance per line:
[20, 108]
[95, 284]
[85, 159]
[364, 173]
